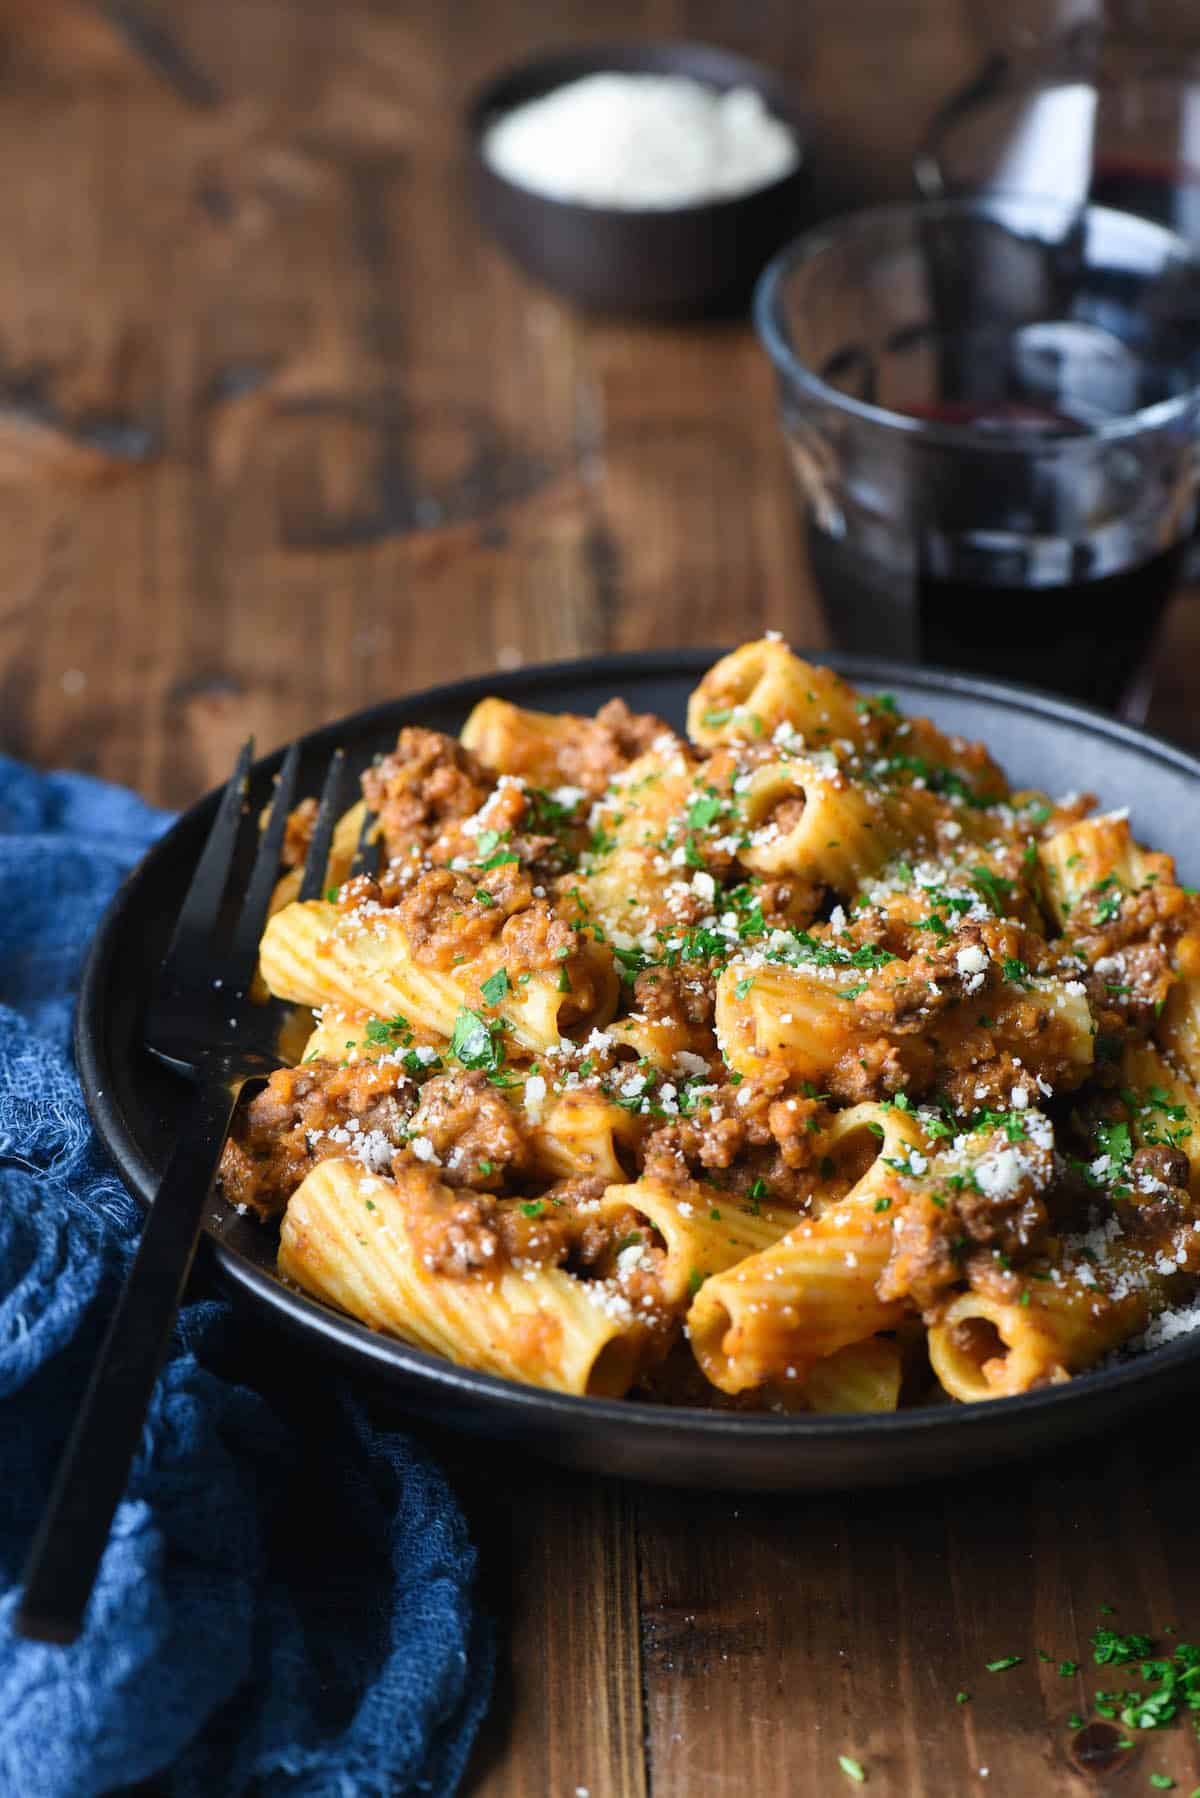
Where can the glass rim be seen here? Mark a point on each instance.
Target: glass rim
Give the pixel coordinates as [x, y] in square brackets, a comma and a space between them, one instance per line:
[1019, 439]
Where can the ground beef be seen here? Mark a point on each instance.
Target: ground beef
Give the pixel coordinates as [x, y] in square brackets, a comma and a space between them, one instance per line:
[938, 1229]
[446, 922]
[669, 995]
[1015, 1224]
[509, 817]
[479, 1139]
[591, 750]
[449, 1233]
[1127, 992]
[456, 1233]
[1159, 1164]
[682, 1149]
[536, 941]
[770, 1141]
[428, 780]
[1155, 913]
[880, 1068]
[928, 1244]
[308, 1114]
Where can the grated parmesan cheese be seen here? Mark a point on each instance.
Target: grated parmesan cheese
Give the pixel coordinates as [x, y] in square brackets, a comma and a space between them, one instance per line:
[641, 142]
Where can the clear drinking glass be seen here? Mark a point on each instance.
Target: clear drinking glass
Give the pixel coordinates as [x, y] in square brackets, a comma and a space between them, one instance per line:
[992, 410]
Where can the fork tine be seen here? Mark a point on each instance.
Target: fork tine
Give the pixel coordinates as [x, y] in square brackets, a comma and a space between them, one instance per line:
[317, 859]
[366, 856]
[201, 909]
[244, 950]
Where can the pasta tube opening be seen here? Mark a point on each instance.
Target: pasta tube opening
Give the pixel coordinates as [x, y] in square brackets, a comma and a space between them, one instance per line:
[615, 1369]
[984, 1349]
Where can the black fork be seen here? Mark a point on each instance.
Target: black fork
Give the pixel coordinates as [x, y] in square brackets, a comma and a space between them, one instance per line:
[202, 1023]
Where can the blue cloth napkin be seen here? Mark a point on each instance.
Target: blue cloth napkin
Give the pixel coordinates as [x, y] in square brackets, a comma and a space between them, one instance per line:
[286, 1603]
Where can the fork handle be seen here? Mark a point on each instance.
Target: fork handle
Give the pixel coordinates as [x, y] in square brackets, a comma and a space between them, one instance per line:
[95, 1465]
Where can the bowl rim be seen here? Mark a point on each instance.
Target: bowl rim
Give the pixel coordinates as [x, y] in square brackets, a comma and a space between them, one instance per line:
[1018, 441]
[351, 1339]
[487, 102]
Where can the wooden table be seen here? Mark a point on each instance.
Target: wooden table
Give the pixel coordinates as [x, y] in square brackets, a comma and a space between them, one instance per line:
[281, 435]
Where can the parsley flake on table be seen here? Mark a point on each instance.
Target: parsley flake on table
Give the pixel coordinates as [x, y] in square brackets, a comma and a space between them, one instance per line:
[1004, 1663]
[853, 1769]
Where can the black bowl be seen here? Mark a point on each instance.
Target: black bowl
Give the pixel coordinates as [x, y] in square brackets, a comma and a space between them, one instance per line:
[660, 262]
[1042, 741]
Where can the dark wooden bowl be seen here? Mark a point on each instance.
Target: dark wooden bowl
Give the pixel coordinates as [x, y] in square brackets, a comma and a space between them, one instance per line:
[136, 1105]
[653, 262]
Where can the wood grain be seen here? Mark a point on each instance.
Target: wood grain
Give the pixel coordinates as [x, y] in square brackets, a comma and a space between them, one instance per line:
[281, 435]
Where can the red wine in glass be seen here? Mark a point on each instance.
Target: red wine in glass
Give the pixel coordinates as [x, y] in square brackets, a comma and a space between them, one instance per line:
[1087, 636]
[992, 405]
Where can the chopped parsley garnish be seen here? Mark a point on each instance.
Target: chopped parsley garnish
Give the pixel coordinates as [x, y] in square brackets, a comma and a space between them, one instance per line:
[695, 1282]
[496, 986]
[476, 1043]
[705, 811]
[852, 1769]
[994, 889]
[390, 1033]
[532, 1207]
[937, 778]
[1004, 1663]
[743, 986]
[962, 1697]
[331, 894]
[1016, 971]
[716, 718]
[1108, 904]
[1111, 1649]
[632, 962]
[1113, 1140]
[1011, 1122]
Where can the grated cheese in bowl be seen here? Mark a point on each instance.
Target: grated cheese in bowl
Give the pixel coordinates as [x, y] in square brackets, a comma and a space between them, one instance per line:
[641, 142]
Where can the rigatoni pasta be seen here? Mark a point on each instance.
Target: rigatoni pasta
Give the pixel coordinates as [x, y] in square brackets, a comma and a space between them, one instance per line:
[800, 1060]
